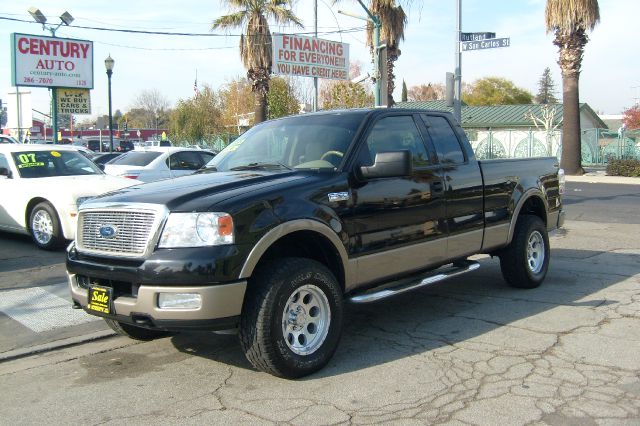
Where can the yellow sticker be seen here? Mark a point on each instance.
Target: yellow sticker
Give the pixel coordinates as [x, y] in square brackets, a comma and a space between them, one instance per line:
[55, 153]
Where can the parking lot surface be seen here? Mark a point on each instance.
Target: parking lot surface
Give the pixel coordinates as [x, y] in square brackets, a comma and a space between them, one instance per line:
[466, 351]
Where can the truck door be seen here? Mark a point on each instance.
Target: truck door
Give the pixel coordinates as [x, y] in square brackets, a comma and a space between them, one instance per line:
[463, 188]
[397, 223]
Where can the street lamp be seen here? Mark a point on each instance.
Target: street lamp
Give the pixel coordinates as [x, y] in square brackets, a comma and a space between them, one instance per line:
[108, 64]
[65, 19]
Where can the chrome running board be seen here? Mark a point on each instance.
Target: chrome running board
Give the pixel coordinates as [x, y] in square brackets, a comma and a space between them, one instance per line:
[397, 287]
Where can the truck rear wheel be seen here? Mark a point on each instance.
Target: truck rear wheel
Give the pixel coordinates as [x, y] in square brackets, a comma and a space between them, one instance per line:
[525, 261]
[133, 332]
[292, 318]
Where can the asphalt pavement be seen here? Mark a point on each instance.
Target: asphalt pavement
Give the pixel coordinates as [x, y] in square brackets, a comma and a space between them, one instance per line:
[469, 350]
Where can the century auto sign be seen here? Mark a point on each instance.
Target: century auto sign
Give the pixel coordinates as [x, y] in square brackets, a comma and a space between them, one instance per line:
[51, 62]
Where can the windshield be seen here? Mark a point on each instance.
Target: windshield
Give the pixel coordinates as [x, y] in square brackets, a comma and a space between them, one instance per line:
[136, 158]
[300, 142]
[38, 164]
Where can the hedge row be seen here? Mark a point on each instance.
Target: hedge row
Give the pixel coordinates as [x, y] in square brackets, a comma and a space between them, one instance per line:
[623, 168]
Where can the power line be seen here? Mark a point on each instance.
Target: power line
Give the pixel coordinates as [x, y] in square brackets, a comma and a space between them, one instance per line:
[168, 33]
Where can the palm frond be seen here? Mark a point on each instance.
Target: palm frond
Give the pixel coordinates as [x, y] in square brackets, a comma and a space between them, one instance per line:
[230, 21]
[571, 15]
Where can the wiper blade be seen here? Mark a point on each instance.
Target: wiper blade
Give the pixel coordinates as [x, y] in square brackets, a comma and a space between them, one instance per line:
[257, 166]
[206, 169]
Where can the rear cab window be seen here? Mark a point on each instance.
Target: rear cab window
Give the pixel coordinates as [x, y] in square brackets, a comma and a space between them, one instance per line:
[444, 139]
[135, 158]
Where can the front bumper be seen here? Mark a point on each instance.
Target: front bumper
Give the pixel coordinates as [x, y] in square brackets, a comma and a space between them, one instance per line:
[220, 309]
[136, 288]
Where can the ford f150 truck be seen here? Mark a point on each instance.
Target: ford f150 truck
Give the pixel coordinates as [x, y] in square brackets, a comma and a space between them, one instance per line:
[299, 215]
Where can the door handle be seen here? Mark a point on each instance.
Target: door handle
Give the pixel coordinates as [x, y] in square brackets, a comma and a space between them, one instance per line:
[437, 186]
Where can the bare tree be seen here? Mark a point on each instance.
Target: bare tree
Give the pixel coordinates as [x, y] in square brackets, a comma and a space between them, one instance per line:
[545, 119]
[155, 105]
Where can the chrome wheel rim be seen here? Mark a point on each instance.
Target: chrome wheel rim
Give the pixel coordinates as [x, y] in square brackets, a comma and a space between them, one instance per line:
[535, 252]
[305, 320]
[42, 226]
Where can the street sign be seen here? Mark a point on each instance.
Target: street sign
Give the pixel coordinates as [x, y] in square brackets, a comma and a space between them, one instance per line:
[490, 43]
[476, 36]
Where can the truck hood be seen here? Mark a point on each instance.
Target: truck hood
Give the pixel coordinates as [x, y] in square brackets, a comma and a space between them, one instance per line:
[178, 193]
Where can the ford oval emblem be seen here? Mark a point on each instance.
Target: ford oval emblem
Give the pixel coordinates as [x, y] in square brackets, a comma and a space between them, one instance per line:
[108, 231]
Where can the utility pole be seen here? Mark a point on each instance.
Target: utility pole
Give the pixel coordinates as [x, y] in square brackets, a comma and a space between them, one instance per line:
[376, 50]
[457, 93]
[315, 34]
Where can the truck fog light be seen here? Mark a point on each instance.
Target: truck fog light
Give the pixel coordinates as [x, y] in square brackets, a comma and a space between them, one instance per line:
[179, 301]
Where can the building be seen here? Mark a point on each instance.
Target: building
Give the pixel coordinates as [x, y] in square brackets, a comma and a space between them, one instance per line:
[517, 131]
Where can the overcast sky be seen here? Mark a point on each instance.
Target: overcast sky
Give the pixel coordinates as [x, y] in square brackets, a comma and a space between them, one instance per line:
[610, 80]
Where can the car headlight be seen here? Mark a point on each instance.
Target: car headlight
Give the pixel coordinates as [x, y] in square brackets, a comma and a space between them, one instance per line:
[197, 230]
[81, 200]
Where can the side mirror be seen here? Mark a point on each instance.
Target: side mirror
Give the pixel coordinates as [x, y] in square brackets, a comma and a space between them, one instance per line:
[389, 164]
[4, 172]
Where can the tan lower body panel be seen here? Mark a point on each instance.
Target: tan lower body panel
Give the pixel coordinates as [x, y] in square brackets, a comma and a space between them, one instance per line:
[218, 301]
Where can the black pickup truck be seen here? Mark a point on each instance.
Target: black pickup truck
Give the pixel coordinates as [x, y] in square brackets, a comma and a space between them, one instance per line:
[301, 214]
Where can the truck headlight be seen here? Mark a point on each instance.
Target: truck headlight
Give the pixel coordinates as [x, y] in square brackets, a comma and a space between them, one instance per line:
[197, 230]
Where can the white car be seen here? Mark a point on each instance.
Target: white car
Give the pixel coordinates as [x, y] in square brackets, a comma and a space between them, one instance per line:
[156, 163]
[41, 187]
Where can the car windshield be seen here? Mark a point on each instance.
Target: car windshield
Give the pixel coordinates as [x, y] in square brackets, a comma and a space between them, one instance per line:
[136, 158]
[300, 142]
[39, 164]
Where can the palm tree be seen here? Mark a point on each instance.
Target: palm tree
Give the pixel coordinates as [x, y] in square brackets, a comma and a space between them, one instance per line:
[570, 20]
[393, 20]
[255, 42]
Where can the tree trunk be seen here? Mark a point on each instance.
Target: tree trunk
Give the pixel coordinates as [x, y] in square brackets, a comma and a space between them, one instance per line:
[260, 107]
[259, 78]
[571, 160]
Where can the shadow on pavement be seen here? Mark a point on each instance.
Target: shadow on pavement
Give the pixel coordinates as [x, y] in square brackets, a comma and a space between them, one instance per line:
[473, 307]
[19, 252]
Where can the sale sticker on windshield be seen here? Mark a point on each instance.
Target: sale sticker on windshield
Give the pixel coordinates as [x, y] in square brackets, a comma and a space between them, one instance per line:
[29, 160]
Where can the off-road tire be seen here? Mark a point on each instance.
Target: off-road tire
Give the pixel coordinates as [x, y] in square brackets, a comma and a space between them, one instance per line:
[43, 213]
[263, 318]
[133, 332]
[514, 260]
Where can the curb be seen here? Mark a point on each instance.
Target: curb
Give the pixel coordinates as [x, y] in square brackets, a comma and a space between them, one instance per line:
[602, 178]
[58, 344]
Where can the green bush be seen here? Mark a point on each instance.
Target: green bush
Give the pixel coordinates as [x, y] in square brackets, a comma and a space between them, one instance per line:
[623, 168]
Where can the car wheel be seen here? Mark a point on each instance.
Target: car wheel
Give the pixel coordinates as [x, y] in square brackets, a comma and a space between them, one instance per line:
[133, 332]
[292, 318]
[524, 263]
[44, 227]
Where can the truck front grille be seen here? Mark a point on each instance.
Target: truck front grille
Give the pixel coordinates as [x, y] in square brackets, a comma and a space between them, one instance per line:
[132, 231]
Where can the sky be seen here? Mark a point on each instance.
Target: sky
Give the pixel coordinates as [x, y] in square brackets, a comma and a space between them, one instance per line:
[609, 82]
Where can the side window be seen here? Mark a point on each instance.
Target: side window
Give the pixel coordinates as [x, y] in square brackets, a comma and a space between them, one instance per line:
[3, 162]
[206, 157]
[185, 160]
[395, 134]
[445, 140]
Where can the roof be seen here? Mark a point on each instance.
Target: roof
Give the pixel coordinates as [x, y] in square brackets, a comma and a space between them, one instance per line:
[499, 115]
[15, 147]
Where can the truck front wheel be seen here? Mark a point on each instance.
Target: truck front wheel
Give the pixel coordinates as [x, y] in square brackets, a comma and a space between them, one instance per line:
[525, 261]
[292, 318]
